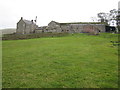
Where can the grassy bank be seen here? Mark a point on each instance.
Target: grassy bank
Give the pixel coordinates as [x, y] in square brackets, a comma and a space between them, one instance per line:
[73, 61]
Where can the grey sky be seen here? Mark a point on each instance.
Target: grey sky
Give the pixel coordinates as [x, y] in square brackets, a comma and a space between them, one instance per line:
[47, 10]
[119, 4]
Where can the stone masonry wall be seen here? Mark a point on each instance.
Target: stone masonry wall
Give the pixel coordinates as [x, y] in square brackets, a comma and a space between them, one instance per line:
[73, 28]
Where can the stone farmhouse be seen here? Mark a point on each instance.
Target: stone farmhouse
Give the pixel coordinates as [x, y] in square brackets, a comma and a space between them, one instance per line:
[27, 27]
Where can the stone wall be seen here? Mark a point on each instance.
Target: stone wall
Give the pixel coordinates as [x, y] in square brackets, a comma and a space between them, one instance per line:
[20, 27]
[76, 28]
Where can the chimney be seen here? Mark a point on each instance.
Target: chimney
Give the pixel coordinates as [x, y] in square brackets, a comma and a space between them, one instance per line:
[35, 20]
[21, 18]
[32, 21]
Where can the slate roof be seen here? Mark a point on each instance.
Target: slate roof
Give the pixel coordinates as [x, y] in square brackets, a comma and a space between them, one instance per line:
[77, 23]
[28, 22]
[81, 23]
[54, 22]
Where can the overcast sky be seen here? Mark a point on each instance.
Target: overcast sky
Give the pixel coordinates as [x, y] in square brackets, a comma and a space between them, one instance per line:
[47, 10]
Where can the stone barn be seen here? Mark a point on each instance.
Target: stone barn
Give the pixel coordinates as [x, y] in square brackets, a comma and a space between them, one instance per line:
[25, 26]
[77, 27]
[54, 27]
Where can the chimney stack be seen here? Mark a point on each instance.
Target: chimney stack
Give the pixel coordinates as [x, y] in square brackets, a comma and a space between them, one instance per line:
[32, 21]
[21, 18]
[35, 20]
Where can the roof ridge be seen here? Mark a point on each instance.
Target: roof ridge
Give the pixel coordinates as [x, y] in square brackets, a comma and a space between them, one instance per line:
[78, 22]
[28, 21]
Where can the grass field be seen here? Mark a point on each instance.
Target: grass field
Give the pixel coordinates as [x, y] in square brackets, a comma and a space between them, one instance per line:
[73, 61]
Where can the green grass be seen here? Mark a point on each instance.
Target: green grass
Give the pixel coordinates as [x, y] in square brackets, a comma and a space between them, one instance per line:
[73, 61]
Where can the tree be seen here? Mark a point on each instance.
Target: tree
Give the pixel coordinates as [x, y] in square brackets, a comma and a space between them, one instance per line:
[118, 20]
[108, 18]
[103, 17]
[113, 16]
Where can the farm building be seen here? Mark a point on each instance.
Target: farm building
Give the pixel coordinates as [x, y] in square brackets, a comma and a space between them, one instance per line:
[77, 27]
[25, 26]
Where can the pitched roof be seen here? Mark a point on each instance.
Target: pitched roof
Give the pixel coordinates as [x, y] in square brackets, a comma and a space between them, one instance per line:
[28, 22]
[81, 23]
[54, 22]
[76, 23]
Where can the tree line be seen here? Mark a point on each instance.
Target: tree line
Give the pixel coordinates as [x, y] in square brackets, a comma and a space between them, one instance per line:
[111, 18]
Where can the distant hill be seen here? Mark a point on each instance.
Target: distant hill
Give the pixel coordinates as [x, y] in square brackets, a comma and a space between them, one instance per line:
[8, 30]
